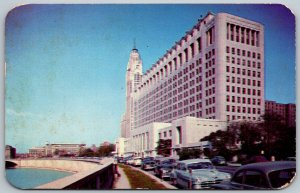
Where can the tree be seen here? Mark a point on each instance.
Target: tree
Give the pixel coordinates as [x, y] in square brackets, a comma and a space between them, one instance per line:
[270, 137]
[223, 143]
[164, 147]
[105, 150]
[279, 139]
[188, 153]
[87, 153]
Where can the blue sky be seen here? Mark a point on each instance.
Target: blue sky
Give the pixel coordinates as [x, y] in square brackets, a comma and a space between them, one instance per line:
[65, 64]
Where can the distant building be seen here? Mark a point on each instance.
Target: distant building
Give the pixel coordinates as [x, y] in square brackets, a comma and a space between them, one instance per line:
[10, 152]
[37, 152]
[286, 111]
[50, 150]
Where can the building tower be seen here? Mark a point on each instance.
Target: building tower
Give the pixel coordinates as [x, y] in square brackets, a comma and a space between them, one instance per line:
[133, 79]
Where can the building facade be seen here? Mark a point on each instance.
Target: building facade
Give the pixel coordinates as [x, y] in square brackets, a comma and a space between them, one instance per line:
[133, 79]
[10, 152]
[215, 71]
[286, 111]
[58, 149]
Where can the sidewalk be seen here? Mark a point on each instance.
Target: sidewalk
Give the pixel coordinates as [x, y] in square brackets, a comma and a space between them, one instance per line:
[121, 182]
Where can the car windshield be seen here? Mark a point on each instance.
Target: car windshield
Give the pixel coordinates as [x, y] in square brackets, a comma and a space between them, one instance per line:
[282, 178]
[200, 165]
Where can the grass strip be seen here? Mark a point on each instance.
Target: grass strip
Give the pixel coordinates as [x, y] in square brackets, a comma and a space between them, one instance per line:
[139, 180]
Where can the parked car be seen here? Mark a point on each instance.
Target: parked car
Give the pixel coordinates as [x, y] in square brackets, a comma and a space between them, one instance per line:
[129, 161]
[137, 161]
[218, 160]
[148, 165]
[197, 174]
[257, 176]
[165, 167]
[255, 159]
[290, 159]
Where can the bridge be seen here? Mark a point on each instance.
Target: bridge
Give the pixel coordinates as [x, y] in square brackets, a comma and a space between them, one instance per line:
[88, 173]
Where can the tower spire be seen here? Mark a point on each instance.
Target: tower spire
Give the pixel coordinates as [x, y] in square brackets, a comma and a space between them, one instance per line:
[134, 44]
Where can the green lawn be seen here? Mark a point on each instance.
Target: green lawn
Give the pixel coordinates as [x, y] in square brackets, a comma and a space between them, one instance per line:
[139, 180]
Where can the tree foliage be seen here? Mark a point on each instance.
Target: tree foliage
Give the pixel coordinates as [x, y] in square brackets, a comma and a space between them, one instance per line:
[188, 153]
[102, 151]
[105, 150]
[164, 147]
[270, 136]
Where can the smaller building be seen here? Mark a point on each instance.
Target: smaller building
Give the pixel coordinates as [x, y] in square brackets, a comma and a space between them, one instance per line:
[183, 132]
[37, 152]
[50, 150]
[10, 152]
[286, 111]
[187, 132]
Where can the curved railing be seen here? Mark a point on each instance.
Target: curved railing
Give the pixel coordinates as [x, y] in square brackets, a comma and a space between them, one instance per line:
[88, 174]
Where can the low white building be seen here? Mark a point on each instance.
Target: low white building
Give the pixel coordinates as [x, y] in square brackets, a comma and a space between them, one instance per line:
[144, 139]
[187, 131]
[184, 132]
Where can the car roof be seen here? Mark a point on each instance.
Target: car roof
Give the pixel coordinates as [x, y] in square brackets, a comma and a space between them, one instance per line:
[267, 167]
[189, 161]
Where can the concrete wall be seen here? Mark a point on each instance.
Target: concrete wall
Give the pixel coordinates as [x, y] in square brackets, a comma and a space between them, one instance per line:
[89, 174]
[64, 165]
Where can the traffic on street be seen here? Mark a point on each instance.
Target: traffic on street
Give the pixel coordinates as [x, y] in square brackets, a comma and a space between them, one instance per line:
[216, 173]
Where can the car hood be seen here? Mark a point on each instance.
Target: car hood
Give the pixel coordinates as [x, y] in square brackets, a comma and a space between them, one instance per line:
[209, 173]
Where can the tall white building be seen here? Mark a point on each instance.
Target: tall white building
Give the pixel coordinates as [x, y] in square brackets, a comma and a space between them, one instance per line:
[133, 79]
[215, 71]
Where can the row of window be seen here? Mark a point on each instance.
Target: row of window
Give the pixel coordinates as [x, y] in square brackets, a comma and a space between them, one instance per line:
[240, 109]
[243, 81]
[255, 64]
[242, 52]
[242, 100]
[238, 117]
[244, 72]
[243, 35]
[165, 134]
[240, 90]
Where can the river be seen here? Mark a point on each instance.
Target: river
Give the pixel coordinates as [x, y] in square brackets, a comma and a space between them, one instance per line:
[28, 178]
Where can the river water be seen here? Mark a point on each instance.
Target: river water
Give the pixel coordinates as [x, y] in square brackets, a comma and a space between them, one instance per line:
[28, 178]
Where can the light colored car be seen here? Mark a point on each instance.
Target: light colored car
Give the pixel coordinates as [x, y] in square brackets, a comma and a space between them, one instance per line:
[129, 161]
[197, 174]
[137, 161]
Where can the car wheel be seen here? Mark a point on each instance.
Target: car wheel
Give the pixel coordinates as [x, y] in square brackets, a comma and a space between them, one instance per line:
[173, 181]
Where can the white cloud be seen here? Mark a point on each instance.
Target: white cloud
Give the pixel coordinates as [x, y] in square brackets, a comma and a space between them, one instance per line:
[21, 114]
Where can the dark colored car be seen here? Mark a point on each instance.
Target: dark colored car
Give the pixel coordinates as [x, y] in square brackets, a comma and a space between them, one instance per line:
[218, 160]
[259, 176]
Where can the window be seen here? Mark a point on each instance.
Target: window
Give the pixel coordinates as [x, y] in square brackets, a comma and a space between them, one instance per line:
[192, 49]
[255, 178]
[186, 55]
[227, 49]
[244, 53]
[179, 135]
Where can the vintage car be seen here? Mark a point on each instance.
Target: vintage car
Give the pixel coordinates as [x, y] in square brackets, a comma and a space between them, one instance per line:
[218, 160]
[197, 174]
[137, 161]
[148, 164]
[165, 167]
[259, 176]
